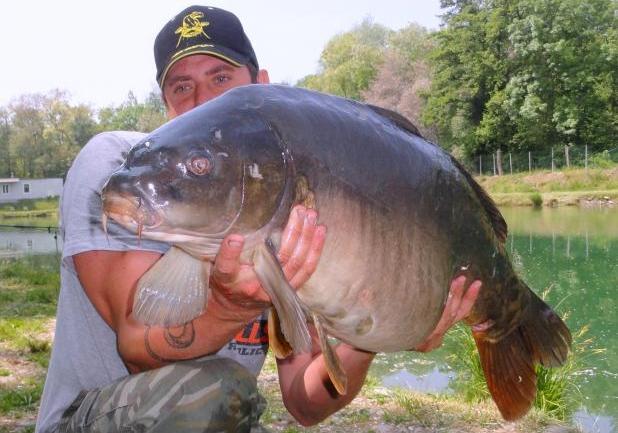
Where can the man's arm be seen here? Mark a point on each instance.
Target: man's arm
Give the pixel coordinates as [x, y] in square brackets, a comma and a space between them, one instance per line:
[307, 392]
[109, 279]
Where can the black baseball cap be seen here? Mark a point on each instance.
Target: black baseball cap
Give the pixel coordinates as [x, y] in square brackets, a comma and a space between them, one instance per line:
[202, 30]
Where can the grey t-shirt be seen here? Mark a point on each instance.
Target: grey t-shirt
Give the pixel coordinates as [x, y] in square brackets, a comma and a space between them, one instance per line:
[84, 354]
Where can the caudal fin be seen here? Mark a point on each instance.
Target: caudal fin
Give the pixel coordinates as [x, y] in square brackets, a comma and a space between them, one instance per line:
[542, 338]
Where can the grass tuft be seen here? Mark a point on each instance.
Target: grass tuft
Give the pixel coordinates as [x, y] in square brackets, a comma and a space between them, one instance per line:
[537, 199]
[558, 393]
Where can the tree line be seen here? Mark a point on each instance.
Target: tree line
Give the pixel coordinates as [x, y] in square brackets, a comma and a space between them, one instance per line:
[507, 75]
[40, 134]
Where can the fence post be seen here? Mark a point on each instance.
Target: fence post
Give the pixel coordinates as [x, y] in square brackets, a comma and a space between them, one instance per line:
[529, 162]
[499, 161]
[511, 162]
[480, 165]
[566, 156]
[552, 159]
[586, 156]
[493, 157]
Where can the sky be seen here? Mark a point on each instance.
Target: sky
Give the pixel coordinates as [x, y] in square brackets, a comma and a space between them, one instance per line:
[98, 51]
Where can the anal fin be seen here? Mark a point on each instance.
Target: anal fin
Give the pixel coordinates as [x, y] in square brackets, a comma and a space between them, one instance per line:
[336, 373]
[277, 342]
[173, 291]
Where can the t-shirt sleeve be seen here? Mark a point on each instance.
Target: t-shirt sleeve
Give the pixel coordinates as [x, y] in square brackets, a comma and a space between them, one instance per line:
[80, 209]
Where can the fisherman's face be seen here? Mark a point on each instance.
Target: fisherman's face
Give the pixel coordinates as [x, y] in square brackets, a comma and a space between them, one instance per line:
[199, 78]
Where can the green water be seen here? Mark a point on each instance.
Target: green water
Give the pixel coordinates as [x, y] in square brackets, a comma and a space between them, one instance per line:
[574, 252]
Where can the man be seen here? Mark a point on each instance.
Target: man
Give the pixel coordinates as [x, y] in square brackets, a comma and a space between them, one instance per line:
[109, 373]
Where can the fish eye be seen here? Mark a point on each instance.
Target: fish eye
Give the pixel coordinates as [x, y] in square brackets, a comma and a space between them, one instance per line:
[199, 165]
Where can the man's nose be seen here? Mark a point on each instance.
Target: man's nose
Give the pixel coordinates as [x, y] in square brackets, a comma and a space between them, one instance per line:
[203, 94]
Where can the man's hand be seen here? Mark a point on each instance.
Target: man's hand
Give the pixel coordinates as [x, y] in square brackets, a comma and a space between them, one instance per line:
[458, 305]
[301, 245]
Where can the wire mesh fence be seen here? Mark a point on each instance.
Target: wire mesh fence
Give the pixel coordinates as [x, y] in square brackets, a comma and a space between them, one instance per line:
[500, 163]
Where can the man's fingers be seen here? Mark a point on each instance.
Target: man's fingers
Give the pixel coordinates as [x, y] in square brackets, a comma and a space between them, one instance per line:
[450, 309]
[447, 319]
[469, 298]
[291, 233]
[458, 305]
[453, 301]
[313, 257]
[303, 245]
[227, 262]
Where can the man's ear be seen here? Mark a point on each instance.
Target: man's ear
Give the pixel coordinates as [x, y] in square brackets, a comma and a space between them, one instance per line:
[262, 77]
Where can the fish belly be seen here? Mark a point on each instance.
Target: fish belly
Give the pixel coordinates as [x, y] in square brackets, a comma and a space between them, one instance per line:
[382, 278]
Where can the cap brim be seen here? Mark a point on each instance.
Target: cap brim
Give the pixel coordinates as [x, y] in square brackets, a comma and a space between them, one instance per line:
[223, 53]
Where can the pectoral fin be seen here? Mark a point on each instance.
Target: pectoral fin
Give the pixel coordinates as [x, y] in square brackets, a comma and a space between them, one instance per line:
[337, 374]
[277, 342]
[284, 299]
[173, 291]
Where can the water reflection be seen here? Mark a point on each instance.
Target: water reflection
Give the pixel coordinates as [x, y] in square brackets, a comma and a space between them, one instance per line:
[574, 253]
[15, 242]
[434, 381]
[592, 423]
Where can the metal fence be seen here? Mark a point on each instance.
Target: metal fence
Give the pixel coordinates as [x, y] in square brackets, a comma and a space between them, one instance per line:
[557, 158]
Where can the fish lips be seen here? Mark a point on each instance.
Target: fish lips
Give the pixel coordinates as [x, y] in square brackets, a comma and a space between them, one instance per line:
[131, 212]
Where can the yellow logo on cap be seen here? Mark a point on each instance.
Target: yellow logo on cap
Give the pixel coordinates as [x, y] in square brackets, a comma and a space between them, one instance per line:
[192, 26]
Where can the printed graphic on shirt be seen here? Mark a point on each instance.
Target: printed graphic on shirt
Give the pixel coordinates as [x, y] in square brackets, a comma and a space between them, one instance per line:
[252, 340]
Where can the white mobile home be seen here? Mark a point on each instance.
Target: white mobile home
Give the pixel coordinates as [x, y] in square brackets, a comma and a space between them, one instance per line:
[14, 189]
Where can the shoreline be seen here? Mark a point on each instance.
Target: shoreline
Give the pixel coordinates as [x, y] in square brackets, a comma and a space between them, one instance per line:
[583, 199]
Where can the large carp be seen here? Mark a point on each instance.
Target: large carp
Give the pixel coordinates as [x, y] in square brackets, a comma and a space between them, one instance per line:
[403, 216]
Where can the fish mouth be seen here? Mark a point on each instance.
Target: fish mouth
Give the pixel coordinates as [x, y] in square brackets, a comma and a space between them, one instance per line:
[131, 212]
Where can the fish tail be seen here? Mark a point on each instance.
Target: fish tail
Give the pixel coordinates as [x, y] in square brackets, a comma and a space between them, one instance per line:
[509, 364]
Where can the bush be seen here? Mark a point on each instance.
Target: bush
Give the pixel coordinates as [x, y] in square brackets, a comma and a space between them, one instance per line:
[537, 199]
[28, 204]
[601, 160]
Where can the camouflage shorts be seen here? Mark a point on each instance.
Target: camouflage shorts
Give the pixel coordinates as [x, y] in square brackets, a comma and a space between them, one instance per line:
[212, 394]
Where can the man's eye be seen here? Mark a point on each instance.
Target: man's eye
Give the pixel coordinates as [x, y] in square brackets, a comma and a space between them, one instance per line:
[182, 88]
[220, 79]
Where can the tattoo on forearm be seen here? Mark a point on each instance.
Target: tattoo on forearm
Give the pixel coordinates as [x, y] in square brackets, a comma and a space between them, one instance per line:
[184, 339]
[180, 340]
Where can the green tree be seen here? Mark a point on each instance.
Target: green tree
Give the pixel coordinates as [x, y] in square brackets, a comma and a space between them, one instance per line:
[44, 133]
[350, 61]
[563, 86]
[469, 64]
[133, 115]
[6, 158]
[524, 74]
[83, 125]
[26, 140]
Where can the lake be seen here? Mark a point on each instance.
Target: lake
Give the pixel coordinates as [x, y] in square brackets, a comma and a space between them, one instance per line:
[16, 242]
[574, 253]
[570, 250]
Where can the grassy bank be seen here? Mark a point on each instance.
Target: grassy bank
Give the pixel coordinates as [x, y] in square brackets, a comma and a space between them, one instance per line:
[28, 293]
[386, 410]
[573, 187]
[39, 212]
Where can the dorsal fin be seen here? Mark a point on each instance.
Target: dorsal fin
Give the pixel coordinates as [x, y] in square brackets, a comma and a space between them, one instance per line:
[495, 217]
[396, 118]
